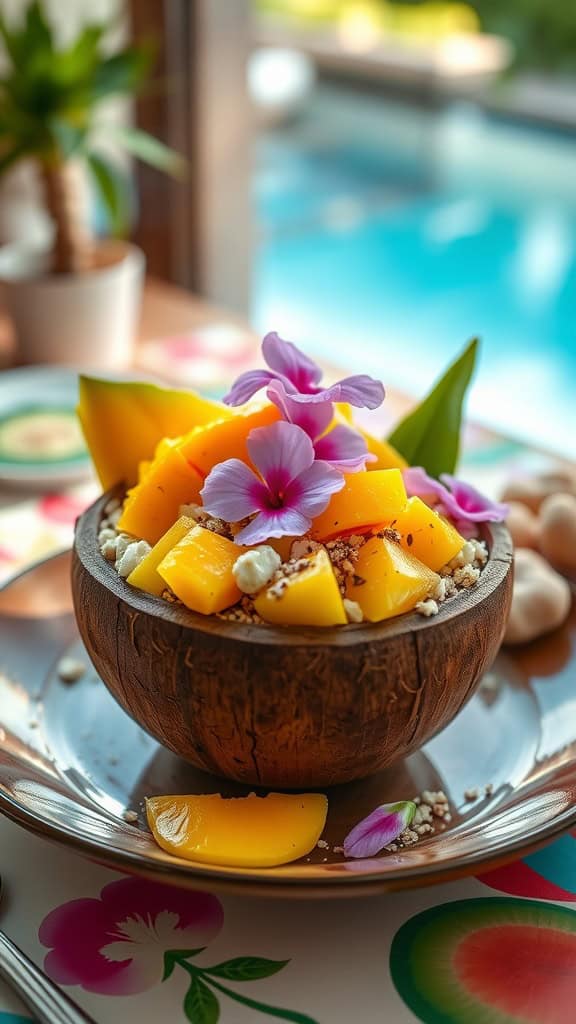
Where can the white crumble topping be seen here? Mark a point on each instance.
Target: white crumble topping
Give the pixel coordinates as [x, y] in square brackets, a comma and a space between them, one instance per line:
[467, 576]
[254, 569]
[480, 552]
[123, 542]
[106, 533]
[111, 506]
[464, 557]
[323, 844]
[302, 547]
[427, 608]
[353, 610]
[134, 554]
[130, 817]
[114, 517]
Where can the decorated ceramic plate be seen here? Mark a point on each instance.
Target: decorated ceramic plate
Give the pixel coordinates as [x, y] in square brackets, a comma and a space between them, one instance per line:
[40, 438]
[73, 766]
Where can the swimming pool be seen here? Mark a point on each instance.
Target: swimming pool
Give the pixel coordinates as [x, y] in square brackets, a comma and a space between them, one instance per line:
[390, 234]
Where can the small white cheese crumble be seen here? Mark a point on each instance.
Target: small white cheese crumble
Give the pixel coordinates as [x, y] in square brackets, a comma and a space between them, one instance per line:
[467, 576]
[191, 511]
[427, 608]
[106, 533]
[464, 557]
[130, 817]
[114, 517]
[123, 542]
[70, 670]
[353, 610]
[254, 569]
[471, 794]
[323, 844]
[480, 551]
[303, 547]
[134, 554]
[111, 506]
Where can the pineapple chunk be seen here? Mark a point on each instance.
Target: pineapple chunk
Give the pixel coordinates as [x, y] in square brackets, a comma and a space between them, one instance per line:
[199, 571]
[426, 535]
[388, 581]
[308, 598]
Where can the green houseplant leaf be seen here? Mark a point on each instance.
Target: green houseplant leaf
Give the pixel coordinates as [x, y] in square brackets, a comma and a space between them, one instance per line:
[430, 435]
[113, 189]
[151, 151]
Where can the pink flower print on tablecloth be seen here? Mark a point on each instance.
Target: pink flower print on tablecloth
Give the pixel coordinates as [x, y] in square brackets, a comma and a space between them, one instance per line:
[137, 934]
[115, 945]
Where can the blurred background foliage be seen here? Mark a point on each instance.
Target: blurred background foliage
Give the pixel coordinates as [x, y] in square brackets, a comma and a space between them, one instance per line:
[542, 32]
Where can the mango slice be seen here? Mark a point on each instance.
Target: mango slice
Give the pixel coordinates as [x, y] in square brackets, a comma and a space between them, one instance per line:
[387, 457]
[199, 571]
[388, 581]
[366, 500]
[426, 535]
[146, 576]
[153, 505]
[123, 421]
[248, 832]
[309, 598]
[204, 447]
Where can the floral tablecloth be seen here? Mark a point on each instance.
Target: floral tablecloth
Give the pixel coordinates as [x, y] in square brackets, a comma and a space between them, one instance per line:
[500, 948]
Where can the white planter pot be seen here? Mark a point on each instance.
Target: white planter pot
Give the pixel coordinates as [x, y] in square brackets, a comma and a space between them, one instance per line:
[86, 320]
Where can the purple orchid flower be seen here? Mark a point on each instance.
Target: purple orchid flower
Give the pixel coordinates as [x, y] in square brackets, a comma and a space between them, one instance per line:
[456, 499]
[379, 829]
[301, 379]
[292, 488]
[343, 447]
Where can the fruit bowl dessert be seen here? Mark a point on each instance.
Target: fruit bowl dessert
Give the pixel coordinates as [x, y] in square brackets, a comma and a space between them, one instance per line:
[272, 592]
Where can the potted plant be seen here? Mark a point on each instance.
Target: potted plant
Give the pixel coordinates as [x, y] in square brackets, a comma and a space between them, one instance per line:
[76, 303]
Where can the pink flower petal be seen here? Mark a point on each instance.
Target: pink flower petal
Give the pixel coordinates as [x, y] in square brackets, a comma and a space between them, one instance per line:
[462, 503]
[280, 452]
[281, 522]
[232, 491]
[361, 391]
[310, 493]
[379, 829]
[476, 506]
[313, 418]
[288, 361]
[247, 385]
[344, 448]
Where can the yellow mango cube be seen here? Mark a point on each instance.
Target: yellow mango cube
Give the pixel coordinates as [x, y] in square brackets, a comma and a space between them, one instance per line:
[386, 456]
[153, 505]
[310, 597]
[199, 571]
[204, 447]
[367, 499]
[388, 581]
[250, 831]
[146, 576]
[426, 535]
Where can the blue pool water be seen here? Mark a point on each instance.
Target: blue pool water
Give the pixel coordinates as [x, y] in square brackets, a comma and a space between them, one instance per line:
[389, 235]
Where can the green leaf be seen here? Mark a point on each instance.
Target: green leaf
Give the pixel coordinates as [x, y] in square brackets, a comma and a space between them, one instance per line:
[201, 1005]
[246, 968]
[69, 138]
[151, 151]
[113, 189]
[176, 956]
[430, 435]
[272, 1011]
[37, 30]
[123, 72]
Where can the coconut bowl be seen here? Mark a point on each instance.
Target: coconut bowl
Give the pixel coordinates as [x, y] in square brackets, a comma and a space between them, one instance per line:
[286, 707]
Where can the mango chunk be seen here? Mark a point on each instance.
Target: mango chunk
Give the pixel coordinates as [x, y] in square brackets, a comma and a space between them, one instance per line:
[146, 576]
[199, 571]
[123, 421]
[308, 598]
[367, 499]
[153, 505]
[388, 581]
[204, 447]
[426, 535]
[249, 832]
[386, 456]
